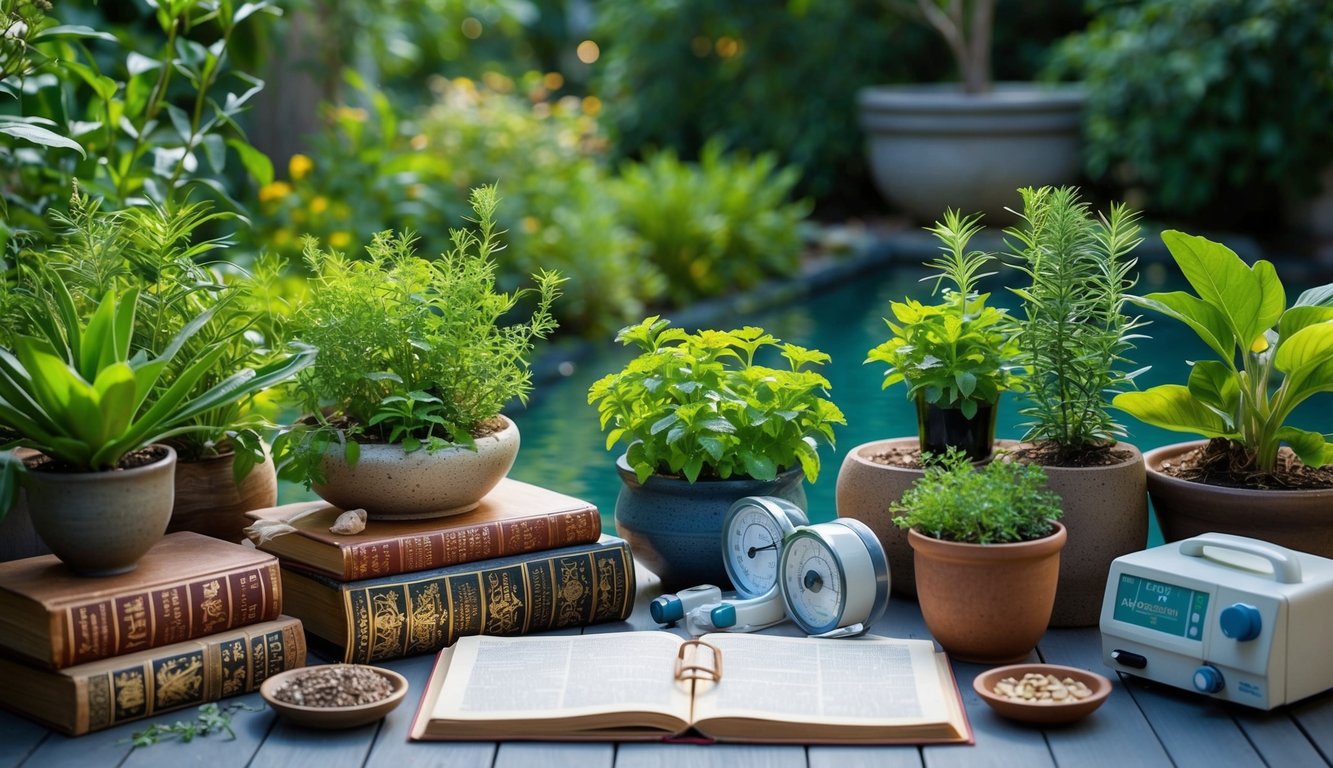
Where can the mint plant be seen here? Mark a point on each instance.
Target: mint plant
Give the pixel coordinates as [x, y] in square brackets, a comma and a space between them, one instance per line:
[701, 406]
[411, 351]
[1001, 503]
[958, 353]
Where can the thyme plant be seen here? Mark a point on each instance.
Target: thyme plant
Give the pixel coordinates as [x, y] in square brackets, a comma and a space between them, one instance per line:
[1074, 337]
[1002, 503]
[411, 351]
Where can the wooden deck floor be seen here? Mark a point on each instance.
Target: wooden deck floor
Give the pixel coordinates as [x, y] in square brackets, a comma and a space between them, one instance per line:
[1140, 725]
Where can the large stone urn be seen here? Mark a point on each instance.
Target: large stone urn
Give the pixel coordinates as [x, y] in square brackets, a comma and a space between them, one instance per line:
[933, 147]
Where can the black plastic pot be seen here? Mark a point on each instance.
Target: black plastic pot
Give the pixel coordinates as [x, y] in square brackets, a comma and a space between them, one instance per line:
[941, 428]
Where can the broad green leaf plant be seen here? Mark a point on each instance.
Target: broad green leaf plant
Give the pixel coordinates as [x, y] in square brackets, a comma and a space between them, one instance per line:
[701, 406]
[1270, 357]
[83, 396]
[959, 353]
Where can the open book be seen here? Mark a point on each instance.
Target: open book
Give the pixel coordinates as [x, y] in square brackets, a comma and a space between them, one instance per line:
[726, 687]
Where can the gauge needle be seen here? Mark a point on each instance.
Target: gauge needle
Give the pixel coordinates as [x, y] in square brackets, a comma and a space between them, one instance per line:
[753, 550]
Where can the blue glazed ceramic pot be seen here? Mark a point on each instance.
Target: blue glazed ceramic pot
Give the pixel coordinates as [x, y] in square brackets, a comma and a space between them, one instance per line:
[675, 527]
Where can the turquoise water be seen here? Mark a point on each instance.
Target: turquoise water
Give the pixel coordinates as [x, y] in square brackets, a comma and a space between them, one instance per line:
[564, 450]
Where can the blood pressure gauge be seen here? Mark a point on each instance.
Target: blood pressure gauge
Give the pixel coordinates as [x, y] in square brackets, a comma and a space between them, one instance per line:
[752, 535]
[834, 578]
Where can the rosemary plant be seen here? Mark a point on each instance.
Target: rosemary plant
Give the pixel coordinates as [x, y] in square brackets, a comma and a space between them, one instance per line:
[1074, 337]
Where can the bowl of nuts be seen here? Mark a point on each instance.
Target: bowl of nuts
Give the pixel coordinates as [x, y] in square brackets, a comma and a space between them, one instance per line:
[334, 695]
[1042, 693]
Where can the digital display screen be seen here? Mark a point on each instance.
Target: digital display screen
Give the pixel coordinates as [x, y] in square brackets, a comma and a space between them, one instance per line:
[1162, 607]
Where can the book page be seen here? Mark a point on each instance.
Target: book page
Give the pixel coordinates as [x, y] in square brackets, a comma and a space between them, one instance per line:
[493, 678]
[866, 680]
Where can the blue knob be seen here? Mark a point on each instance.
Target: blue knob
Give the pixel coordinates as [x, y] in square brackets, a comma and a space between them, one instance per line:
[1241, 622]
[666, 609]
[1208, 679]
[724, 616]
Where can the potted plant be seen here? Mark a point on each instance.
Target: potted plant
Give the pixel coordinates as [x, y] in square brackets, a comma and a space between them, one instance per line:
[1257, 474]
[1073, 340]
[704, 423]
[933, 145]
[956, 357]
[987, 549]
[223, 468]
[95, 408]
[414, 368]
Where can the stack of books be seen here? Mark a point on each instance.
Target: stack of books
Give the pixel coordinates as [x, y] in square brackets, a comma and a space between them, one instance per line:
[197, 620]
[526, 560]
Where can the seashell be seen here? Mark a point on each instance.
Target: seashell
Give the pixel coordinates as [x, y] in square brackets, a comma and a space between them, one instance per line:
[350, 522]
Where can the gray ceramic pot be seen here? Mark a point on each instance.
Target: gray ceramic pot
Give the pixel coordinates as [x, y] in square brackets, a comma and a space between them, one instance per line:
[675, 527]
[101, 523]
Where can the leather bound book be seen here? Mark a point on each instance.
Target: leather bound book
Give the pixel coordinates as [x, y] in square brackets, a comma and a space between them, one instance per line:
[187, 586]
[514, 518]
[100, 694]
[389, 617]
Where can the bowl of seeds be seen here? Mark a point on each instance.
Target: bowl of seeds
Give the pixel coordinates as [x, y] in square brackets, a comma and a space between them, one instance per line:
[334, 695]
[1042, 693]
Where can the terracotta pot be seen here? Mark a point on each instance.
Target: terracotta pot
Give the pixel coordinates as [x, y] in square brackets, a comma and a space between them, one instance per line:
[1300, 520]
[101, 523]
[864, 492]
[209, 501]
[987, 603]
[391, 484]
[1106, 514]
[674, 526]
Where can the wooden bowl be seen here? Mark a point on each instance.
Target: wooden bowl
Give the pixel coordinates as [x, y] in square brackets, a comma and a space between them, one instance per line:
[1045, 714]
[334, 717]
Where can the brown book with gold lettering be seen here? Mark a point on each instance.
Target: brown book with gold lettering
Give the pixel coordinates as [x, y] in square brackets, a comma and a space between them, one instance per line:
[373, 620]
[187, 586]
[100, 694]
[514, 518]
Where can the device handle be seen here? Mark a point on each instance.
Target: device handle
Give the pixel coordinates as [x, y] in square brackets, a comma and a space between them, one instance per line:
[1286, 568]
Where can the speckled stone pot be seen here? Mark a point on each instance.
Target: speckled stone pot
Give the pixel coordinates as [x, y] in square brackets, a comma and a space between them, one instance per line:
[1299, 520]
[1106, 514]
[674, 527]
[864, 492]
[391, 484]
[987, 603]
[101, 523]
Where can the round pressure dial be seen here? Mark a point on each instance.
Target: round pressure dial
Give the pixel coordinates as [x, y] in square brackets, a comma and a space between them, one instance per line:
[834, 577]
[752, 538]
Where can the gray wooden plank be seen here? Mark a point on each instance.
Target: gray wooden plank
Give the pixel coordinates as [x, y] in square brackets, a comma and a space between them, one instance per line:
[710, 756]
[215, 750]
[19, 737]
[1277, 737]
[999, 742]
[1117, 733]
[1195, 731]
[864, 757]
[1315, 718]
[392, 748]
[555, 755]
[294, 746]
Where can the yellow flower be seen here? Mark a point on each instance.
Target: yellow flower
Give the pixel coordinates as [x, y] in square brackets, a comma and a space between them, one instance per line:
[340, 239]
[319, 204]
[275, 191]
[282, 236]
[531, 224]
[299, 166]
[592, 105]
